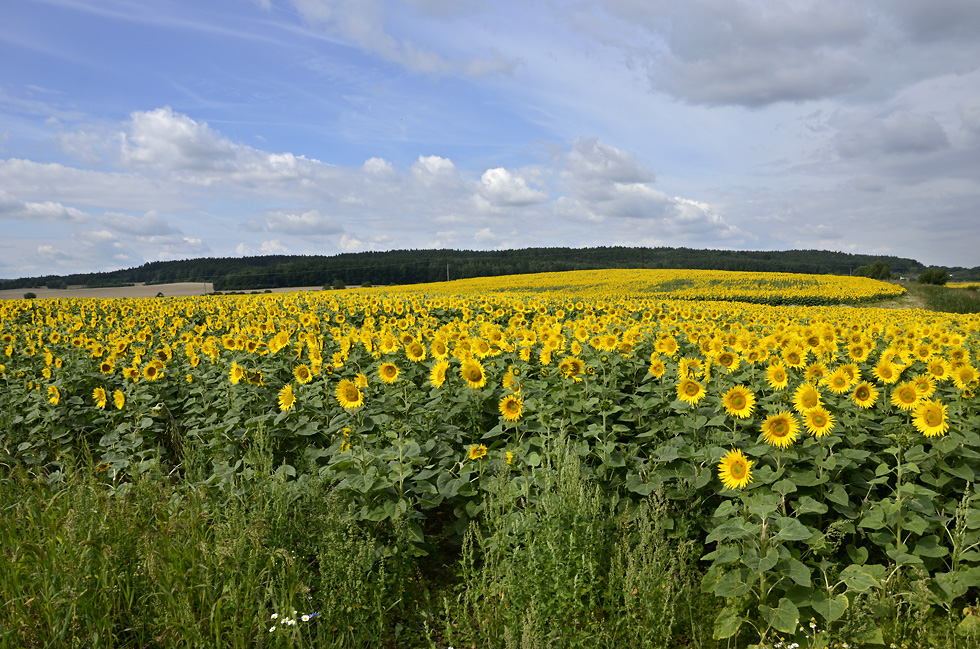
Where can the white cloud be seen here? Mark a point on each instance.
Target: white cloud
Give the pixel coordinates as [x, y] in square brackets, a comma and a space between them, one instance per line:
[350, 244]
[308, 223]
[502, 187]
[13, 208]
[150, 224]
[274, 247]
[485, 236]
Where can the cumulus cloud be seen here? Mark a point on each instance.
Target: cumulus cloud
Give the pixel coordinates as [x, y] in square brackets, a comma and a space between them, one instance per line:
[592, 160]
[13, 208]
[896, 133]
[505, 188]
[274, 247]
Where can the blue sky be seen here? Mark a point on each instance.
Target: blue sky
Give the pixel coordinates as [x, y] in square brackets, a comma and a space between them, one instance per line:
[137, 131]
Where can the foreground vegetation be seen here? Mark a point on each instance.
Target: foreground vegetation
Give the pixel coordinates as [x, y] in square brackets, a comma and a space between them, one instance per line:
[567, 460]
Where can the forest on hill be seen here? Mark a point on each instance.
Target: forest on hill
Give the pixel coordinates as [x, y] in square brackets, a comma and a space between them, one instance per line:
[422, 266]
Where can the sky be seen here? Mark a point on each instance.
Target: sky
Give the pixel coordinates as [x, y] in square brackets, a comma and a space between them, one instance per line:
[140, 131]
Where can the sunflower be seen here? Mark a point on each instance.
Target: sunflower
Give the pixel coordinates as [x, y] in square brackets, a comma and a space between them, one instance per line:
[153, 370]
[794, 356]
[303, 374]
[106, 367]
[938, 368]
[814, 372]
[776, 376]
[388, 372]
[100, 397]
[361, 380]
[838, 381]
[865, 395]
[738, 401]
[729, 360]
[735, 470]
[348, 395]
[930, 418]
[473, 373]
[657, 368]
[805, 397]
[905, 396]
[437, 376]
[818, 421]
[286, 398]
[511, 408]
[236, 373]
[690, 391]
[780, 429]
[964, 375]
[924, 385]
[477, 451]
[118, 399]
[54, 396]
[887, 372]
[415, 351]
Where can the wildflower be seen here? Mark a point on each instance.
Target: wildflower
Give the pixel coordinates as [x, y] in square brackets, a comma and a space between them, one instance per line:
[100, 397]
[53, 394]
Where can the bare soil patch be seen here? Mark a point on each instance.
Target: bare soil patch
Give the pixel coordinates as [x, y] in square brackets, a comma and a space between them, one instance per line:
[179, 289]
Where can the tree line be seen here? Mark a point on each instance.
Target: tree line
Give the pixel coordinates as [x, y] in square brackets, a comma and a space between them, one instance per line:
[424, 266]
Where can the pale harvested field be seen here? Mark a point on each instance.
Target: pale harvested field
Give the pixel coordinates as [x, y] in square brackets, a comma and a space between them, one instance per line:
[140, 290]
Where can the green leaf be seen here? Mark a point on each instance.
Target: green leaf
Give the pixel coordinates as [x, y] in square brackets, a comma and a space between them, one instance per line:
[795, 570]
[929, 546]
[782, 618]
[733, 528]
[727, 623]
[763, 505]
[807, 505]
[734, 583]
[791, 529]
[870, 636]
[830, 609]
[724, 554]
[859, 578]
[784, 487]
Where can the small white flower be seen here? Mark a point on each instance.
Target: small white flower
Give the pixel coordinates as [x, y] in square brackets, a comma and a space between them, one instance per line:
[275, 616]
[272, 628]
[305, 618]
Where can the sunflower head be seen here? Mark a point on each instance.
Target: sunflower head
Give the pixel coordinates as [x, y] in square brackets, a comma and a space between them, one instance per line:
[690, 391]
[930, 418]
[818, 421]
[735, 470]
[738, 402]
[473, 373]
[865, 394]
[780, 430]
[388, 372]
[511, 407]
[349, 395]
[477, 451]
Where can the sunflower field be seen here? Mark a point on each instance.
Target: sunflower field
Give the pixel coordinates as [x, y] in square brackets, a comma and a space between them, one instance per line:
[594, 458]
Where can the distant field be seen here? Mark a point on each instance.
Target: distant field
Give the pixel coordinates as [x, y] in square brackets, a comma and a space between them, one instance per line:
[179, 289]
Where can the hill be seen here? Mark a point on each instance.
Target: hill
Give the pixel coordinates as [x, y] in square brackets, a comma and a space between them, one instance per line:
[421, 266]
